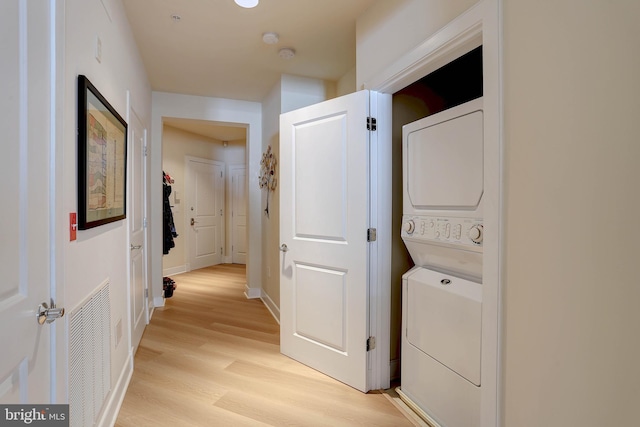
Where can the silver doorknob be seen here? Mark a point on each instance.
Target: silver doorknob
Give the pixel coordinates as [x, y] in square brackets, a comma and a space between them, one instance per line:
[284, 248]
[49, 314]
[193, 221]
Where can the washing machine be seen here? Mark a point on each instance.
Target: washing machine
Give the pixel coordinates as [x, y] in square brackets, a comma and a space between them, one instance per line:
[442, 228]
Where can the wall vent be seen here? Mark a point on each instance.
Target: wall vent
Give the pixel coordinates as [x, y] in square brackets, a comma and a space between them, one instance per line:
[89, 358]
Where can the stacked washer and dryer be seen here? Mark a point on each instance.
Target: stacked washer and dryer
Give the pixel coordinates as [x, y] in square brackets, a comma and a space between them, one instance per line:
[442, 228]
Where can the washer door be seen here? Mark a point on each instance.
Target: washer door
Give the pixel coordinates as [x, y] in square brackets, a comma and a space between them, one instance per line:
[444, 320]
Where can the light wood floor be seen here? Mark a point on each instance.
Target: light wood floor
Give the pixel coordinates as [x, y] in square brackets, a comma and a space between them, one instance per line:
[211, 357]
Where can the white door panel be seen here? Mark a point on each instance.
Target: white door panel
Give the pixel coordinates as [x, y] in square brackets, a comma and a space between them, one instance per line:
[26, 247]
[137, 233]
[324, 210]
[320, 202]
[205, 193]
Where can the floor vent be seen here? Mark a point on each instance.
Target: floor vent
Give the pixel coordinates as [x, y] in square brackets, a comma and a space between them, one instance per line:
[89, 358]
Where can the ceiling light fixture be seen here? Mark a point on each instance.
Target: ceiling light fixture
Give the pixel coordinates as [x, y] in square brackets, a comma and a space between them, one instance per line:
[247, 4]
[270, 38]
[286, 53]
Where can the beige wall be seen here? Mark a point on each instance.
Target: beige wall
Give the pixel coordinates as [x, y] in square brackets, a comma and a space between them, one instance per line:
[176, 144]
[390, 28]
[572, 287]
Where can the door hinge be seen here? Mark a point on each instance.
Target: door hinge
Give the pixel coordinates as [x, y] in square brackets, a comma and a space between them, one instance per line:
[145, 150]
[371, 343]
[372, 235]
[146, 293]
[144, 222]
[372, 123]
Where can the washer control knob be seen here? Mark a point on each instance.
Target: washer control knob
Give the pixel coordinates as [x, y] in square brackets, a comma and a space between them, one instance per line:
[475, 233]
[409, 226]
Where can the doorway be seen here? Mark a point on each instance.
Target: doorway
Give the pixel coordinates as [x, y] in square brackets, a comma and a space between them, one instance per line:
[197, 159]
[247, 116]
[476, 27]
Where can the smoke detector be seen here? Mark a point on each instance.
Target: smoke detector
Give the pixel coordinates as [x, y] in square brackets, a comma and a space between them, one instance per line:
[270, 38]
[286, 53]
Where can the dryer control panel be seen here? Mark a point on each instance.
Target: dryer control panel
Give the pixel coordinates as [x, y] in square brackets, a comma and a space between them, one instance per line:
[467, 232]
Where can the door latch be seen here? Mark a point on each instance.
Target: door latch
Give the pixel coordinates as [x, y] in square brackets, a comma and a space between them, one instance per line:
[48, 314]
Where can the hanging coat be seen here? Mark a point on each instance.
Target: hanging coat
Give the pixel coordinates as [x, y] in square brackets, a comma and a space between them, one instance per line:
[168, 228]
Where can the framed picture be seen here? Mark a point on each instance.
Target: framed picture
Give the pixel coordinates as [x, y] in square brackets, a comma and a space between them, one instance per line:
[102, 159]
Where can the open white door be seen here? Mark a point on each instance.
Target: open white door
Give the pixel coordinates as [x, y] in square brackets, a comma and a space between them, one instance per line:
[137, 230]
[205, 200]
[27, 248]
[324, 219]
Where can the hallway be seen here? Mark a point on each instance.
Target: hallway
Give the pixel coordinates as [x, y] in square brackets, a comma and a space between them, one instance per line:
[211, 357]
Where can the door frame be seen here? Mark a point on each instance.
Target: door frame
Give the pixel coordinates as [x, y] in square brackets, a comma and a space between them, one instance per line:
[226, 112]
[188, 202]
[380, 213]
[230, 231]
[59, 217]
[479, 25]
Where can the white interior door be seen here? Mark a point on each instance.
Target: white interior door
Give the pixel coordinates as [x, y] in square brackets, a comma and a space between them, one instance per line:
[26, 248]
[205, 201]
[324, 217]
[238, 215]
[137, 230]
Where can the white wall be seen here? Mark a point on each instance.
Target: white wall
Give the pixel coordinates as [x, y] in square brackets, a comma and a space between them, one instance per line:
[571, 108]
[225, 112]
[100, 253]
[176, 144]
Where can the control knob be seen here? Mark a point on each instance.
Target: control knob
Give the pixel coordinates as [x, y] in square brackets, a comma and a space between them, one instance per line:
[475, 233]
[409, 226]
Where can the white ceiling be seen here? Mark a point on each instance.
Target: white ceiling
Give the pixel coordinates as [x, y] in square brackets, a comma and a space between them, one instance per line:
[216, 47]
[213, 130]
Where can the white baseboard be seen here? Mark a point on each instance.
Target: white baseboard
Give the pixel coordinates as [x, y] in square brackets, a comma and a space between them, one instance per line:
[271, 306]
[227, 260]
[174, 270]
[158, 302]
[112, 407]
[252, 293]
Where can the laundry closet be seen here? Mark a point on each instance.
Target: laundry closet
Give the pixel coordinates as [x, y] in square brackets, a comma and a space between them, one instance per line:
[438, 122]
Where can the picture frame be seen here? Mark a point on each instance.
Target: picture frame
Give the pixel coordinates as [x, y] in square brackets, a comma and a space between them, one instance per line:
[102, 159]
